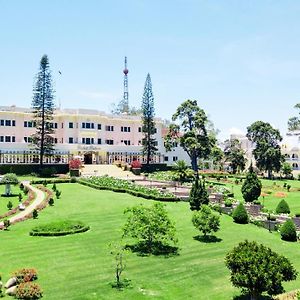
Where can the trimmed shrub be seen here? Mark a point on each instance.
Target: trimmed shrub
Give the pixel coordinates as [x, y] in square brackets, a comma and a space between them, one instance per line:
[288, 231]
[29, 290]
[20, 197]
[9, 205]
[198, 195]
[51, 201]
[283, 207]
[57, 194]
[240, 215]
[251, 188]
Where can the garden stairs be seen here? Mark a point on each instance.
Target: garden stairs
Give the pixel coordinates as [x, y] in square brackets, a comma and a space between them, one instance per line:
[110, 170]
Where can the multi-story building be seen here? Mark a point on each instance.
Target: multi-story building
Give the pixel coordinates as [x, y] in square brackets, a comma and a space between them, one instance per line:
[93, 136]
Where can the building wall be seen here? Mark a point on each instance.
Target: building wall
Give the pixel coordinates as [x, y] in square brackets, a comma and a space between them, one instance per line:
[111, 137]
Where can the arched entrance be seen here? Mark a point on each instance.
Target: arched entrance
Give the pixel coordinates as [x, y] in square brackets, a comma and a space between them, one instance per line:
[88, 158]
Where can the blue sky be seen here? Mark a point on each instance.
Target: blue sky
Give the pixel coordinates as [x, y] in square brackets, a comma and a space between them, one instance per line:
[239, 59]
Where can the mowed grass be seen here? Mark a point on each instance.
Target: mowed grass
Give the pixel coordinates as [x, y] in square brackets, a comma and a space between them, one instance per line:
[4, 200]
[80, 266]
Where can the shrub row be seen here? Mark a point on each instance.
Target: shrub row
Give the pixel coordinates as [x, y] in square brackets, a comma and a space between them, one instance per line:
[26, 169]
[134, 193]
[51, 181]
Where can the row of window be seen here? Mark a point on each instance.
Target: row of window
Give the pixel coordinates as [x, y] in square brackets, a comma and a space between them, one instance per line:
[7, 139]
[175, 158]
[7, 122]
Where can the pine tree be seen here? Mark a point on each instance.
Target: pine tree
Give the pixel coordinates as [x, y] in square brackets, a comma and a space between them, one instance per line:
[43, 107]
[148, 129]
[251, 188]
[198, 194]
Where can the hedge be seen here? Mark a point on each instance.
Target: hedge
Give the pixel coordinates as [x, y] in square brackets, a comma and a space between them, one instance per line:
[51, 181]
[134, 193]
[26, 169]
[60, 233]
[156, 167]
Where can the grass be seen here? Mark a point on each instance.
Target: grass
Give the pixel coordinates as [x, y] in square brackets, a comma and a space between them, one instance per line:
[4, 200]
[81, 267]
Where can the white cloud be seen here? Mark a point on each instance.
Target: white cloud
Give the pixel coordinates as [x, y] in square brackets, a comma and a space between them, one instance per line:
[236, 131]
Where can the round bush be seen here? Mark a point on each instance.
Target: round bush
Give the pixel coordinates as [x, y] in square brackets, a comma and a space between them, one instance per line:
[25, 275]
[283, 207]
[59, 228]
[29, 290]
[288, 231]
[240, 215]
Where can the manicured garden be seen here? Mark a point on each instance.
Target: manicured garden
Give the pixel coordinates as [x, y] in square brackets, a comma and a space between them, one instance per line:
[79, 266]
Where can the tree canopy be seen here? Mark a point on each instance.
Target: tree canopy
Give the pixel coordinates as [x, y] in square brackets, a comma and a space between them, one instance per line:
[257, 269]
[267, 151]
[235, 155]
[191, 132]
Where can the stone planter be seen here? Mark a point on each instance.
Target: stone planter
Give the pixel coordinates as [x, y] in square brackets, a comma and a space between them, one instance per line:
[75, 173]
[136, 171]
[226, 210]
[268, 224]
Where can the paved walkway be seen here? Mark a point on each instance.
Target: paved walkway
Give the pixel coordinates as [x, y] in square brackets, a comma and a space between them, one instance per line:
[111, 170]
[40, 196]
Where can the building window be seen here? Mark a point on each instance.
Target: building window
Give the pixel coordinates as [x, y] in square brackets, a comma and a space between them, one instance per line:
[83, 125]
[140, 129]
[7, 139]
[7, 123]
[88, 141]
[155, 143]
[126, 142]
[83, 140]
[109, 128]
[99, 141]
[13, 139]
[155, 130]
[13, 122]
[175, 158]
[70, 124]
[166, 158]
[71, 140]
[2, 122]
[99, 126]
[1, 138]
[87, 125]
[125, 129]
[109, 142]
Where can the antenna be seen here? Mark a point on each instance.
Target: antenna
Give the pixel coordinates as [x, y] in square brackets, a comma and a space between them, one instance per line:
[125, 95]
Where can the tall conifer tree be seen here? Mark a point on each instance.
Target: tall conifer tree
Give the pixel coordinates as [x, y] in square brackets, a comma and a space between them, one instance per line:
[148, 129]
[43, 107]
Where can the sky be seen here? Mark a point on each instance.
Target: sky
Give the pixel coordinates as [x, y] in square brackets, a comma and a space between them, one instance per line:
[240, 59]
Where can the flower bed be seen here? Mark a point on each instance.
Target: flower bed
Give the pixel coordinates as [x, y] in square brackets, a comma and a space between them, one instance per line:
[124, 186]
[59, 228]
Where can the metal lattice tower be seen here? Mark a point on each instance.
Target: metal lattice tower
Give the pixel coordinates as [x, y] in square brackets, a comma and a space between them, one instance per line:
[125, 95]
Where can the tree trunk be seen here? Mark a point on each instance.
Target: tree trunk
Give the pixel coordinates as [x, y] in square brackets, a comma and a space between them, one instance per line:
[254, 295]
[269, 174]
[194, 163]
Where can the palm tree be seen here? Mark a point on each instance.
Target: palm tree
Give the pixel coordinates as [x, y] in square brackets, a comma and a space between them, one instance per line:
[181, 170]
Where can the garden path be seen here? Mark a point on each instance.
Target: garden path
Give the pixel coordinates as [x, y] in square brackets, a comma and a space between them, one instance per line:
[40, 196]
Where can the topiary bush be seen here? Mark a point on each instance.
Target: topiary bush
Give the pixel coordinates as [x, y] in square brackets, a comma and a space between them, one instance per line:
[198, 195]
[251, 188]
[283, 207]
[288, 231]
[240, 215]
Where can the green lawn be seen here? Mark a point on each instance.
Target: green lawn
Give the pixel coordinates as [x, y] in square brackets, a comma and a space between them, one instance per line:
[4, 200]
[80, 266]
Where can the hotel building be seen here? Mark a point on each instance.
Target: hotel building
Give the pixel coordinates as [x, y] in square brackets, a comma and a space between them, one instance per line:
[93, 136]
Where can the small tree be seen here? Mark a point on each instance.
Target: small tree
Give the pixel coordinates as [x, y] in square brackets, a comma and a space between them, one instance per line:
[51, 201]
[288, 231]
[257, 269]
[181, 170]
[54, 187]
[57, 194]
[8, 180]
[150, 225]
[119, 255]
[283, 207]
[35, 214]
[287, 169]
[240, 214]
[251, 188]
[9, 205]
[6, 224]
[20, 197]
[206, 221]
[198, 194]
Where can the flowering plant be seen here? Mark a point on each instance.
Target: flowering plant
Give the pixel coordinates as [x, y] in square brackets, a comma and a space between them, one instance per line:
[75, 164]
[136, 164]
